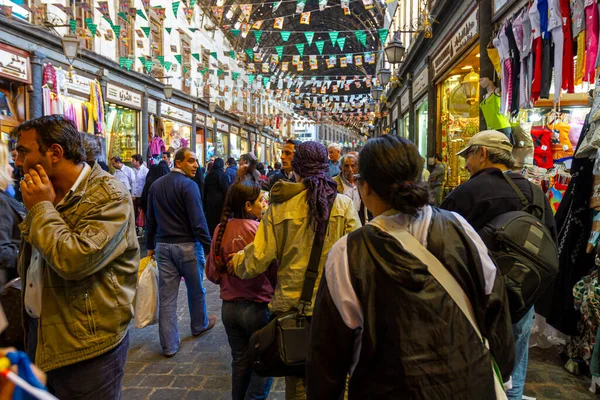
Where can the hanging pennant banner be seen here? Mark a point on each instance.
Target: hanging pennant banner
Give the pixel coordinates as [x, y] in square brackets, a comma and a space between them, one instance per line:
[214, 54]
[305, 18]
[358, 61]
[370, 58]
[361, 36]
[300, 48]
[274, 59]
[314, 64]
[279, 50]
[334, 88]
[257, 35]
[285, 35]
[246, 10]
[322, 4]
[245, 29]
[146, 30]
[175, 6]
[300, 66]
[331, 62]
[251, 78]
[251, 67]
[368, 4]
[257, 25]
[333, 37]
[285, 66]
[218, 12]
[341, 42]
[300, 6]
[235, 32]
[160, 12]
[309, 37]
[383, 34]
[346, 10]
[189, 15]
[265, 68]
[295, 60]
[278, 24]
[250, 53]
[258, 57]
[320, 45]
[276, 6]
[343, 62]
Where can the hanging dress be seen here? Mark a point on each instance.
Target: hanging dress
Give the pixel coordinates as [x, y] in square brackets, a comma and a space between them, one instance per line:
[555, 27]
[568, 76]
[591, 40]
[536, 31]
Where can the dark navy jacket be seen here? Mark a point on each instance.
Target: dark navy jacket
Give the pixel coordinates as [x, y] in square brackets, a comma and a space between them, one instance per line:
[175, 213]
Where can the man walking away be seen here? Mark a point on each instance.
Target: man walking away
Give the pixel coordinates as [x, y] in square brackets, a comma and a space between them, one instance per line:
[334, 150]
[140, 171]
[285, 173]
[231, 170]
[78, 262]
[123, 173]
[176, 229]
[436, 179]
[487, 195]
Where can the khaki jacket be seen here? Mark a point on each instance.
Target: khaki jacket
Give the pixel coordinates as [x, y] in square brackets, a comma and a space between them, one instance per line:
[91, 257]
[284, 234]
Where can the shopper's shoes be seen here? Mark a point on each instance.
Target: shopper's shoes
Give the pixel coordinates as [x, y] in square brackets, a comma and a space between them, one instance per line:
[212, 320]
[169, 355]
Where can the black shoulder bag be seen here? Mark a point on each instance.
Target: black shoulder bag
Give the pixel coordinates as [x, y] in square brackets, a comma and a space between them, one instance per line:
[281, 347]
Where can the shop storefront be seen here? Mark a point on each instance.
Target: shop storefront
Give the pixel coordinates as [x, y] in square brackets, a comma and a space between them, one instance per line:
[245, 138]
[123, 124]
[263, 149]
[15, 75]
[456, 71]
[200, 133]
[419, 87]
[222, 140]
[404, 118]
[177, 124]
[394, 120]
[236, 142]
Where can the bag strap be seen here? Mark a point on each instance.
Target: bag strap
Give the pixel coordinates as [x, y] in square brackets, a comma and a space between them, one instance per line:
[434, 266]
[522, 197]
[312, 270]
[538, 200]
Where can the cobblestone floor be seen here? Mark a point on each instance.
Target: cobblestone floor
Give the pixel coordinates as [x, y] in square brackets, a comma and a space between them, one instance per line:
[202, 367]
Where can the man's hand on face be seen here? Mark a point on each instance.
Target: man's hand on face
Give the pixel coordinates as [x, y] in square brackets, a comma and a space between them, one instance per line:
[36, 187]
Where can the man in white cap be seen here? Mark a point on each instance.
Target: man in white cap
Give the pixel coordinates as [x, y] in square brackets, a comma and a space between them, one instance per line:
[487, 195]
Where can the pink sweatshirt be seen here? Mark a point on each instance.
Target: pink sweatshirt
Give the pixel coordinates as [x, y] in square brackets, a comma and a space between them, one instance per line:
[238, 233]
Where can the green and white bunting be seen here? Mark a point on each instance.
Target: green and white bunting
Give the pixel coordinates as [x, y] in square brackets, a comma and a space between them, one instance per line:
[320, 45]
[175, 6]
[235, 32]
[300, 48]
[285, 35]
[279, 50]
[383, 34]
[179, 58]
[257, 35]
[251, 78]
[214, 54]
[361, 36]
[146, 30]
[341, 42]
[333, 36]
[250, 54]
[309, 37]
[141, 14]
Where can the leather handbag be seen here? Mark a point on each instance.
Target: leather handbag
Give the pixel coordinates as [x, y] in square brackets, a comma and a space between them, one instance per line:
[281, 347]
[446, 280]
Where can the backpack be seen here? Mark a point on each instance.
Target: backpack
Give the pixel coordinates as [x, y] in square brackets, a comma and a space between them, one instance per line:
[524, 251]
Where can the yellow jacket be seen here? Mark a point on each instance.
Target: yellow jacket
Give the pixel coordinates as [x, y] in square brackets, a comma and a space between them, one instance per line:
[284, 234]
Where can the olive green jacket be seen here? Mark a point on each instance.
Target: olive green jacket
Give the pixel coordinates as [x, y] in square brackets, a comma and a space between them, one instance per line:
[91, 258]
[284, 234]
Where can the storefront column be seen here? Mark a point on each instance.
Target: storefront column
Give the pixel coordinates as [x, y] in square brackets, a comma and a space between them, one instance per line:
[485, 36]
[36, 105]
[158, 108]
[103, 80]
[194, 127]
[145, 127]
[432, 148]
[411, 112]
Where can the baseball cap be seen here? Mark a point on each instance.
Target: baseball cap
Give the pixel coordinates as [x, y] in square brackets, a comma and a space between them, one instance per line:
[491, 139]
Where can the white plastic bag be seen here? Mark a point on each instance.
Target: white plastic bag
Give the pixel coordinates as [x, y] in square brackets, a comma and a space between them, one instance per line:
[146, 297]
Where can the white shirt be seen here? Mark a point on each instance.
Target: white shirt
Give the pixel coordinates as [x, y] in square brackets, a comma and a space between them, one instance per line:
[126, 176]
[140, 180]
[35, 274]
[352, 192]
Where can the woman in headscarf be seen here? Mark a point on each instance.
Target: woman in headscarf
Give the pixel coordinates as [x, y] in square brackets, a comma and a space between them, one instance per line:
[215, 191]
[247, 169]
[155, 172]
[298, 212]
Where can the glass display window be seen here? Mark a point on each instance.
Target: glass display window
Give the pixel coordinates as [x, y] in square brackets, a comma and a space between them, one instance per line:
[221, 145]
[122, 124]
[236, 146]
[422, 123]
[210, 145]
[244, 145]
[177, 135]
[200, 145]
[458, 118]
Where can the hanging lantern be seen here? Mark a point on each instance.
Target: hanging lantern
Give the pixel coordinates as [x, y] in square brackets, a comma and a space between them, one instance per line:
[384, 76]
[395, 50]
[470, 85]
[376, 92]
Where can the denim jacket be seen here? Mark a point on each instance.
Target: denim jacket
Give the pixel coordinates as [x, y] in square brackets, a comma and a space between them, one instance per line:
[91, 258]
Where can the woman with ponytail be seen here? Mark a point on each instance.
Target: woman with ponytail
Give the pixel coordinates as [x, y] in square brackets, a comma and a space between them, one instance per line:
[245, 302]
[298, 211]
[381, 314]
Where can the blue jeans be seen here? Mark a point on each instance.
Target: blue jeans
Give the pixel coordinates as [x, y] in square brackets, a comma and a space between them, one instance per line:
[241, 319]
[521, 332]
[175, 261]
[97, 378]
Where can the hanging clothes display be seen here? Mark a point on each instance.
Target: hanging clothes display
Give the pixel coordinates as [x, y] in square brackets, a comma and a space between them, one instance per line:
[541, 142]
[536, 31]
[591, 42]
[555, 28]
[568, 77]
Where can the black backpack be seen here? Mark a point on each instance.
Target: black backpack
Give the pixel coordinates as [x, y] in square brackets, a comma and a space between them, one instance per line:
[524, 251]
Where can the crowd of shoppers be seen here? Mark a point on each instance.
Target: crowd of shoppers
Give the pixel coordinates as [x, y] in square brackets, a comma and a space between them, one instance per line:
[384, 320]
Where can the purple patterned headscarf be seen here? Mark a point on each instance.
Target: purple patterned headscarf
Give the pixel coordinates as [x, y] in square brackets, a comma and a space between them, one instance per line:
[310, 162]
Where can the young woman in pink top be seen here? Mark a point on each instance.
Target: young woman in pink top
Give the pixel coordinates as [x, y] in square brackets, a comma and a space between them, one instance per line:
[245, 301]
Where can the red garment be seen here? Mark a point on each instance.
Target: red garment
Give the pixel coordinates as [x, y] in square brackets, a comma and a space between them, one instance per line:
[542, 155]
[50, 78]
[568, 72]
[536, 85]
[591, 42]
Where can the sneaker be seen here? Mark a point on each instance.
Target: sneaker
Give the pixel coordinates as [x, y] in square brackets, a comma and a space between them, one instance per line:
[169, 355]
[212, 320]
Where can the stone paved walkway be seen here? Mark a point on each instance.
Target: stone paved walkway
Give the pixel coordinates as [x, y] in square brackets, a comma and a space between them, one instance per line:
[202, 367]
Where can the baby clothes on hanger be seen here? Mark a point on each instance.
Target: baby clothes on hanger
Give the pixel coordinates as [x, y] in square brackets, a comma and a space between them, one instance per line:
[541, 141]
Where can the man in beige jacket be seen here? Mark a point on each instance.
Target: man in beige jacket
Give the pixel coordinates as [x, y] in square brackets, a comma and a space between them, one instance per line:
[78, 262]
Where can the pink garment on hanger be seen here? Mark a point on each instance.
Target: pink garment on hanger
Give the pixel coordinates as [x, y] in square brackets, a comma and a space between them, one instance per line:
[591, 41]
